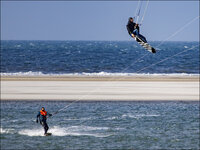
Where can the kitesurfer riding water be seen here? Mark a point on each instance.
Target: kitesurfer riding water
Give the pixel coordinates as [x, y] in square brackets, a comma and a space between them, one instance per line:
[42, 115]
[134, 29]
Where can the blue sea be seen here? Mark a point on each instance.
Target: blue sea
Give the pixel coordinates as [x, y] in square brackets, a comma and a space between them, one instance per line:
[98, 58]
[101, 125]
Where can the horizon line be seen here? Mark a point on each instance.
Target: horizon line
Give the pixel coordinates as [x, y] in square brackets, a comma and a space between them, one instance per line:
[103, 40]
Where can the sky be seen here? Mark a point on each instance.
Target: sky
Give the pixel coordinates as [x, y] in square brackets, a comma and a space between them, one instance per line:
[97, 20]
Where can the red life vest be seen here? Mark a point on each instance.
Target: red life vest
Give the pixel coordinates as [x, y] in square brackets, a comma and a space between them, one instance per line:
[43, 113]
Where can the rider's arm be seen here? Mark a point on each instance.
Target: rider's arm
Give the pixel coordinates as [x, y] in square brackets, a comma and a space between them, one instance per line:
[49, 114]
[38, 116]
[129, 31]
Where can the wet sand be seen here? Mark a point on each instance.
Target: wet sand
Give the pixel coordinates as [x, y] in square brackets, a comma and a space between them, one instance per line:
[129, 88]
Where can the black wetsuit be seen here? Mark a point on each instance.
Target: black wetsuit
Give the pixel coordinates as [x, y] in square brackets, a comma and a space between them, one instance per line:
[43, 121]
[133, 29]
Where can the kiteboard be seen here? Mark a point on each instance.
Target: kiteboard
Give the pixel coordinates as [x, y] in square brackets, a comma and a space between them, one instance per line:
[48, 134]
[145, 44]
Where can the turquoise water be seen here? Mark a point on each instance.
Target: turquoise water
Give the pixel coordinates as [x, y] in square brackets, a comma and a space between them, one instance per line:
[101, 125]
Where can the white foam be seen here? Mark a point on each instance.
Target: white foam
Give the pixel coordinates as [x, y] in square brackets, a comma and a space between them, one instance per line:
[137, 116]
[31, 44]
[98, 74]
[6, 131]
[18, 45]
[32, 132]
[112, 118]
[68, 131]
[84, 118]
[29, 73]
[86, 128]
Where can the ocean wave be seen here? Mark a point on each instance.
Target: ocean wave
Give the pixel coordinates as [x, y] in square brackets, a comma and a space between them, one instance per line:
[135, 116]
[138, 116]
[7, 131]
[86, 128]
[112, 118]
[85, 118]
[98, 74]
[68, 131]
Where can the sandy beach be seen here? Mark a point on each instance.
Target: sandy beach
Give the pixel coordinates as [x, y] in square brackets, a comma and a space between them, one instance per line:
[99, 88]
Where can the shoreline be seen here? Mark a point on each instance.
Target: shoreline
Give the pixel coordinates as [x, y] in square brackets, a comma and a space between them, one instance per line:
[84, 88]
[136, 78]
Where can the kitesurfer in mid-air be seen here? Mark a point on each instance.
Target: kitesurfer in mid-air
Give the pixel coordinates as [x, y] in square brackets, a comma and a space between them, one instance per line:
[134, 29]
[42, 115]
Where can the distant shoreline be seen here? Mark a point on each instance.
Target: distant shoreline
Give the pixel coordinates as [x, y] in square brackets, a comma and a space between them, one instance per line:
[101, 78]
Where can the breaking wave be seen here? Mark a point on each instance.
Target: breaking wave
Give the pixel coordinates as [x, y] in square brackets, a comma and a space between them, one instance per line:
[103, 74]
[7, 131]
